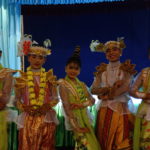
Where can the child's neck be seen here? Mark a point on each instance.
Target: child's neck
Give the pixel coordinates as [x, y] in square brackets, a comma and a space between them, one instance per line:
[36, 70]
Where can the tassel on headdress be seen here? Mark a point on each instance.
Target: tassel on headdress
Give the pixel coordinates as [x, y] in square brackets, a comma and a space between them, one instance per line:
[76, 52]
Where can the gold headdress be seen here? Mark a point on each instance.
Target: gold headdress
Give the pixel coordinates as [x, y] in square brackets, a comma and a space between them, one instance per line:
[96, 46]
[26, 46]
[37, 50]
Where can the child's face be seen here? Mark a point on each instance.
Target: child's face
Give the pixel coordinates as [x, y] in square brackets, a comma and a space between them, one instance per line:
[36, 61]
[72, 70]
[113, 54]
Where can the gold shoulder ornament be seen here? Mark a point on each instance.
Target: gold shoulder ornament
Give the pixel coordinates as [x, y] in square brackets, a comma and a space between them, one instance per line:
[51, 78]
[128, 67]
[100, 69]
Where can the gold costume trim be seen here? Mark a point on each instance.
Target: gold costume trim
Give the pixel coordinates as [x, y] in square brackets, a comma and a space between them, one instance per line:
[34, 110]
[128, 67]
[100, 69]
[2, 105]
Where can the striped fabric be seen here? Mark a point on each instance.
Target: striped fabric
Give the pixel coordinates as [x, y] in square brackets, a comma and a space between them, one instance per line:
[55, 2]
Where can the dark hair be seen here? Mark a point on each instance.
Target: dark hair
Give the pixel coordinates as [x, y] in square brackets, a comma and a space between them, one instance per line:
[75, 58]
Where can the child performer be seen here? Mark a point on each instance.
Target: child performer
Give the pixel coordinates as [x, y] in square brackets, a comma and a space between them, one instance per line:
[141, 89]
[5, 91]
[111, 84]
[36, 95]
[76, 98]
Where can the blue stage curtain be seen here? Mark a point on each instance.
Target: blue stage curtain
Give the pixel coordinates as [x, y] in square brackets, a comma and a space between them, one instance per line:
[55, 2]
[9, 33]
